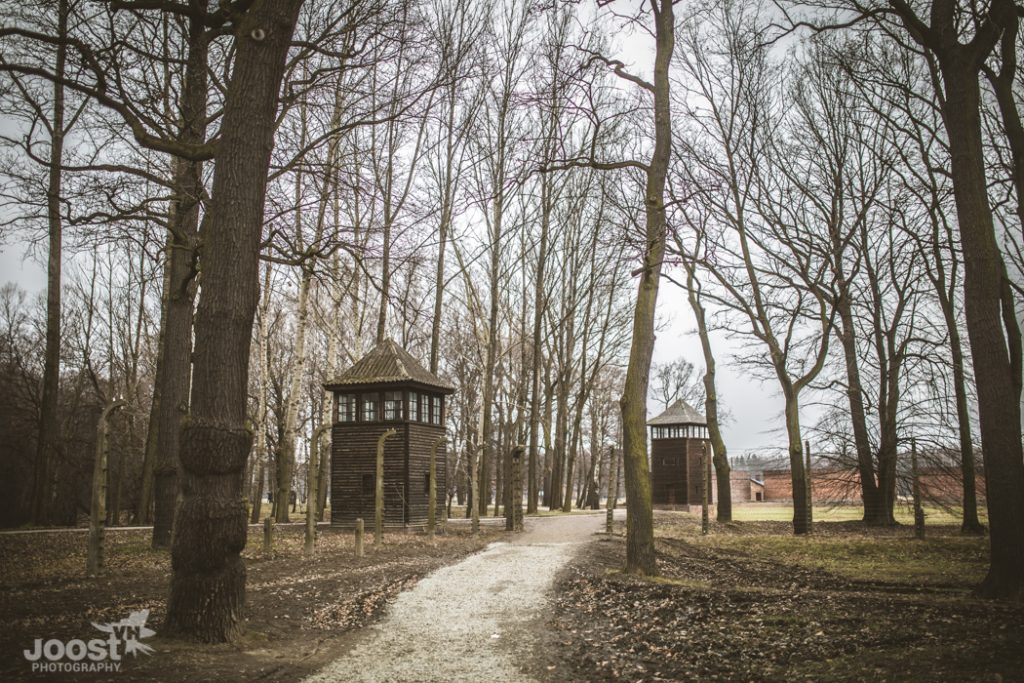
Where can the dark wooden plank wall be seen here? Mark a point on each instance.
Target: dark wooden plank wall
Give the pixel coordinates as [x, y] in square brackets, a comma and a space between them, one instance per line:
[421, 439]
[406, 463]
[353, 454]
[668, 471]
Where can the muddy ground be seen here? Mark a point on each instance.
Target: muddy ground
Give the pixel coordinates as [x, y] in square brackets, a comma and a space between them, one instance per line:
[752, 603]
[297, 608]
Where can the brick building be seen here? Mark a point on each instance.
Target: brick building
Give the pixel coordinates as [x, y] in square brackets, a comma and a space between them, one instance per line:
[842, 485]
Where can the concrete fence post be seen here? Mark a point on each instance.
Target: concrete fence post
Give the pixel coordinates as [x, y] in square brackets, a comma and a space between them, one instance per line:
[268, 536]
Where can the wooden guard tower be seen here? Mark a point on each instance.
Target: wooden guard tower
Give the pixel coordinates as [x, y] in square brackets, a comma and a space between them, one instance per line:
[386, 389]
[676, 438]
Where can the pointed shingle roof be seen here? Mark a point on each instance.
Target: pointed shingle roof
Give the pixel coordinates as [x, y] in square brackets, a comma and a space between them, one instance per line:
[679, 413]
[388, 363]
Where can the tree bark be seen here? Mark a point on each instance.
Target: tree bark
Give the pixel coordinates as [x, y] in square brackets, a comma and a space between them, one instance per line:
[796, 464]
[176, 351]
[49, 438]
[640, 554]
[993, 331]
[97, 513]
[208, 574]
[311, 488]
[144, 512]
[996, 362]
[720, 456]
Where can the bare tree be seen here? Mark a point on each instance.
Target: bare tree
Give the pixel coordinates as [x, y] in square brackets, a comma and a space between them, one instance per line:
[675, 380]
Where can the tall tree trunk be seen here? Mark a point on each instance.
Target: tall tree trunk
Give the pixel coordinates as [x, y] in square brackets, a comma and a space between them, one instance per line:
[796, 464]
[640, 557]
[176, 352]
[992, 328]
[720, 456]
[263, 372]
[538, 317]
[970, 523]
[996, 358]
[490, 364]
[97, 512]
[946, 293]
[49, 438]
[208, 574]
[871, 495]
[144, 512]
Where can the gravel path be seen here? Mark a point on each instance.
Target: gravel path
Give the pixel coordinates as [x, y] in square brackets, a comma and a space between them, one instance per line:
[475, 620]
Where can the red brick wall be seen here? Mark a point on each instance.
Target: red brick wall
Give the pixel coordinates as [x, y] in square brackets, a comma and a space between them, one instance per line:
[777, 485]
[844, 485]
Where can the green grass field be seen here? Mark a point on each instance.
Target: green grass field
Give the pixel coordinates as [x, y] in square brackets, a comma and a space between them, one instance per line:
[783, 512]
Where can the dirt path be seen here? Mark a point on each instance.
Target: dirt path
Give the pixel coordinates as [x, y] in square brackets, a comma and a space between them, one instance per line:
[479, 619]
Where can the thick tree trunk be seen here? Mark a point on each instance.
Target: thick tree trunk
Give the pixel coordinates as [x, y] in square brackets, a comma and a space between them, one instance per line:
[208, 580]
[176, 352]
[994, 335]
[796, 464]
[49, 437]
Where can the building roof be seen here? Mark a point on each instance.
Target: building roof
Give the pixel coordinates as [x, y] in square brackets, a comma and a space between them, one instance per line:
[388, 363]
[679, 413]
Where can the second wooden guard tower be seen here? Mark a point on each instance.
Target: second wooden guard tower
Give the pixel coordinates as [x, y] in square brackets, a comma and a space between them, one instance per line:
[676, 438]
[386, 389]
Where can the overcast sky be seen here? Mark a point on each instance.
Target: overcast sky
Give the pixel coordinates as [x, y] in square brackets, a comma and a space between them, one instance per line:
[755, 408]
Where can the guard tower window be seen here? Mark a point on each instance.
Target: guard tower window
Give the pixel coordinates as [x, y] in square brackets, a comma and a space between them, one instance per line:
[368, 485]
[414, 407]
[435, 410]
[369, 407]
[346, 408]
[426, 483]
[392, 405]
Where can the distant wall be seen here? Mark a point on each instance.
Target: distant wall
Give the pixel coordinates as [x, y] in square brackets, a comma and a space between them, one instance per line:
[843, 485]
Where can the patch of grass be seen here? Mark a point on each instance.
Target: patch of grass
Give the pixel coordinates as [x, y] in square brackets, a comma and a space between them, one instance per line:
[683, 583]
[783, 512]
[939, 560]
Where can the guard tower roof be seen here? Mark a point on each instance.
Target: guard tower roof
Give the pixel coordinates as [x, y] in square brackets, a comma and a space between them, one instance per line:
[388, 363]
[679, 413]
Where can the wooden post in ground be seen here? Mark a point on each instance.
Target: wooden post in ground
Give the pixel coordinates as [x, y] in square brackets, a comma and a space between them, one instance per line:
[516, 488]
[98, 509]
[613, 490]
[359, 537]
[705, 520]
[916, 490]
[268, 536]
[312, 488]
[474, 490]
[810, 490]
[432, 489]
[378, 494]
